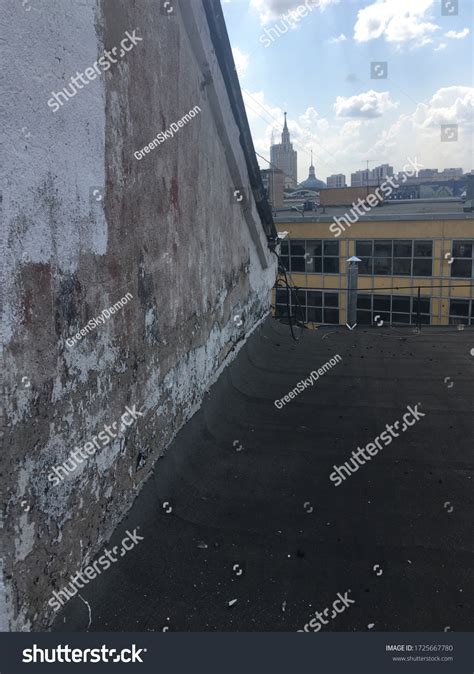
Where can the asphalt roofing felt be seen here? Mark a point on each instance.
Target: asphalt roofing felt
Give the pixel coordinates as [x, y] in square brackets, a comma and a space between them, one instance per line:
[243, 528]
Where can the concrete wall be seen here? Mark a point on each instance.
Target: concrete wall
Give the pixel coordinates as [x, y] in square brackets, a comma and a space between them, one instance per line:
[166, 229]
[344, 196]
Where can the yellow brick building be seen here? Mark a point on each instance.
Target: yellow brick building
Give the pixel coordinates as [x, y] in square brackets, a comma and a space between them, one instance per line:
[402, 246]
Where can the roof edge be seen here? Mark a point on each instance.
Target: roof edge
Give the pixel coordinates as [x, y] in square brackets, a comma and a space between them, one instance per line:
[223, 50]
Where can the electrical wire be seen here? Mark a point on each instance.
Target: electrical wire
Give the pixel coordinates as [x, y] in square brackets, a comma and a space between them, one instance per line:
[367, 291]
[290, 289]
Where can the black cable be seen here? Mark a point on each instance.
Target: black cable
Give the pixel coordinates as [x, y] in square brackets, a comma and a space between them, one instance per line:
[287, 287]
[369, 290]
[296, 301]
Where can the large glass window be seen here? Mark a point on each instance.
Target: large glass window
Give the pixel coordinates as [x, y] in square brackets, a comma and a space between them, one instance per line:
[382, 256]
[284, 255]
[364, 251]
[462, 267]
[460, 311]
[297, 255]
[310, 256]
[392, 309]
[317, 306]
[402, 251]
[397, 257]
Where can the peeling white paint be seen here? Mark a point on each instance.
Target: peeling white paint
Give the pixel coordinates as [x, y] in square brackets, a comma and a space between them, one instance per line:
[43, 182]
[25, 537]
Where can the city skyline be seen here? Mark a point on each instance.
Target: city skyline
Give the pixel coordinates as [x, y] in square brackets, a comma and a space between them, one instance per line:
[360, 80]
[426, 172]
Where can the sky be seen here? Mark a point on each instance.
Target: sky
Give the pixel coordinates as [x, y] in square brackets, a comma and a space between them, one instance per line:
[360, 80]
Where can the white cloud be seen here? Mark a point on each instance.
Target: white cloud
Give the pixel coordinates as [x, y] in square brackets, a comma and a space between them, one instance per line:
[241, 60]
[398, 21]
[441, 46]
[420, 133]
[369, 104]
[447, 95]
[312, 122]
[256, 108]
[417, 133]
[342, 145]
[457, 36]
[272, 10]
[335, 40]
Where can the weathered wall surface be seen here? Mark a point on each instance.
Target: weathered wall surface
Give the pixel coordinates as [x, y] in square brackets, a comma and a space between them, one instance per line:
[344, 196]
[164, 228]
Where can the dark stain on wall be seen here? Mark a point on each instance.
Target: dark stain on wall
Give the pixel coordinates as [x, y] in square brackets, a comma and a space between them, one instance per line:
[68, 296]
[174, 195]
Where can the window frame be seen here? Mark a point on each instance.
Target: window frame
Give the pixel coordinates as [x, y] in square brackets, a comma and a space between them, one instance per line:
[453, 266]
[313, 263]
[368, 265]
[322, 306]
[387, 314]
[470, 310]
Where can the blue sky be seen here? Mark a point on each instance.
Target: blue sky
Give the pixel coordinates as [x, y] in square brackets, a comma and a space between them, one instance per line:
[319, 71]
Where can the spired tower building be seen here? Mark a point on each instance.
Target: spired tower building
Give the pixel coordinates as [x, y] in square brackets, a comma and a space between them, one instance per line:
[283, 156]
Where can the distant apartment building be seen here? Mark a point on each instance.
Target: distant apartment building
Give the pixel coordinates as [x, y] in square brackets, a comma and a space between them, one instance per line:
[382, 172]
[404, 248]
[403, 179]
[430, 189]
[336, 180]
[452, 173]
[361, 178]
[445, 174]
[428, 174]
[283, 156]
[274, 183]
[371, 176]
[431, 184]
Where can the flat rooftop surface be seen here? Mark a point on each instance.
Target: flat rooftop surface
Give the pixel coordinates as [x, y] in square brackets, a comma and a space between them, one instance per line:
[254, 516]
[404, 210]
